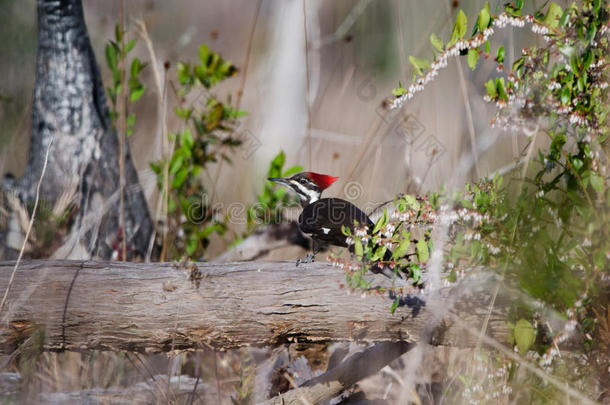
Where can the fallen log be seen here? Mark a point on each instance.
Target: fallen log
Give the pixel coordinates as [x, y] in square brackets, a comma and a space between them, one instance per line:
[162, 307]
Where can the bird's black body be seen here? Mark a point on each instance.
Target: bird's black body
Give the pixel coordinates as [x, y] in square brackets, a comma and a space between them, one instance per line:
[323, 220]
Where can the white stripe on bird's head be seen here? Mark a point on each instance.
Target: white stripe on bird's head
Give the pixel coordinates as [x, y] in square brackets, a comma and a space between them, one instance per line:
[306, 195]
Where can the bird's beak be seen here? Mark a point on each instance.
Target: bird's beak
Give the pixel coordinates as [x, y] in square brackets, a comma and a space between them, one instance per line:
[279, 180]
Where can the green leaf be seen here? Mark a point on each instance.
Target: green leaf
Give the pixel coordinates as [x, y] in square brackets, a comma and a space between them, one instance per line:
[525, 335]
[411, 202]
[118, 33]
[131, 120]
[180, 177]
[459, 28]
[395, 305]
[191, 245]
[416, 273]
[186, 139]
[358, 249]
[176, 163]
[597, 182]
[136, 67]
[279, 160]
[130, 45]
[513, 11]
[553, 15]
[403, 246]
[345, 230]
[484, 18]
[518, 64]
[473, 57]
[500, 55]
[381, 221]
[292, 170]
[419, 64]
[204, 54]
[501, 89]
[436, 42]
[379, 253]
[491, 89]
[399, 91]
[111, 57]
[137, 93]
[171, 205]
[422, 250]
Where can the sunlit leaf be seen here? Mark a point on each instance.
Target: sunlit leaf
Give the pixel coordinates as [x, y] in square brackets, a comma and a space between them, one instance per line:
[473, 57]
[525, 335]
[436, 42]
[419, 64]
[484, 18]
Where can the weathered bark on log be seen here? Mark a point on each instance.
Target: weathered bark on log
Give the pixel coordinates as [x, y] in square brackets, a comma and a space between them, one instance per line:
[69, 107]
[162, 307]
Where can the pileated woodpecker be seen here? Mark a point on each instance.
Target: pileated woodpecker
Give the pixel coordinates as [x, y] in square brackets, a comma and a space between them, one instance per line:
[322, 218]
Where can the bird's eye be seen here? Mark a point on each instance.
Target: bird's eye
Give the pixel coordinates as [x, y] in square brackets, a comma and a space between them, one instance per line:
[302, 181]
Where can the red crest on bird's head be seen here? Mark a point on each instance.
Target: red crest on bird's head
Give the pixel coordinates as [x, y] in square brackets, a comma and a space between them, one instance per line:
[322, 180]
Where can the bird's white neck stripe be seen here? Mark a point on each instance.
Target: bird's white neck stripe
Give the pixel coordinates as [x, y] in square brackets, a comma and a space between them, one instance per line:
[307, 194]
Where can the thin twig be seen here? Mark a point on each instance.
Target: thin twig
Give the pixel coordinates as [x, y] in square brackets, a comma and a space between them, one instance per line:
[293, 384]
[242, 86]
[563, 386]
[364, 148]
[216, 375]
[162, 131]
[168, 147]
[240, 91]
[142, 374]
[307, 84]
[470, 121]
[191, 397]
[27, 234]
[345, 26]
[162, 127]
[122, 110]
[512, 238]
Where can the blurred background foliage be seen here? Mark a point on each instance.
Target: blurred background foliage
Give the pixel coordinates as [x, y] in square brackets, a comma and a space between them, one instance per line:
[317, 103]
[357, 51]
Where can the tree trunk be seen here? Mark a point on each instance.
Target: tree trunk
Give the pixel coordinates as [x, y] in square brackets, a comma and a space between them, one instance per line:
[69, 109]
[163, 307]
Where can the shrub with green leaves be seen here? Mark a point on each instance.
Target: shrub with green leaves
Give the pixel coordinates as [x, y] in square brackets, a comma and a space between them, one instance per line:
[117, 52]
[207, 135]
[545, 229]
[274, 199]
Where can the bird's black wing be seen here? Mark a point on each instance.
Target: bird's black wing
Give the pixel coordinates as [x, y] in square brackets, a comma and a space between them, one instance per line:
[324, 218]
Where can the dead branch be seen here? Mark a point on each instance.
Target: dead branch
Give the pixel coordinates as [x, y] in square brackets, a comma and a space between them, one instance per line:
[342, 377]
